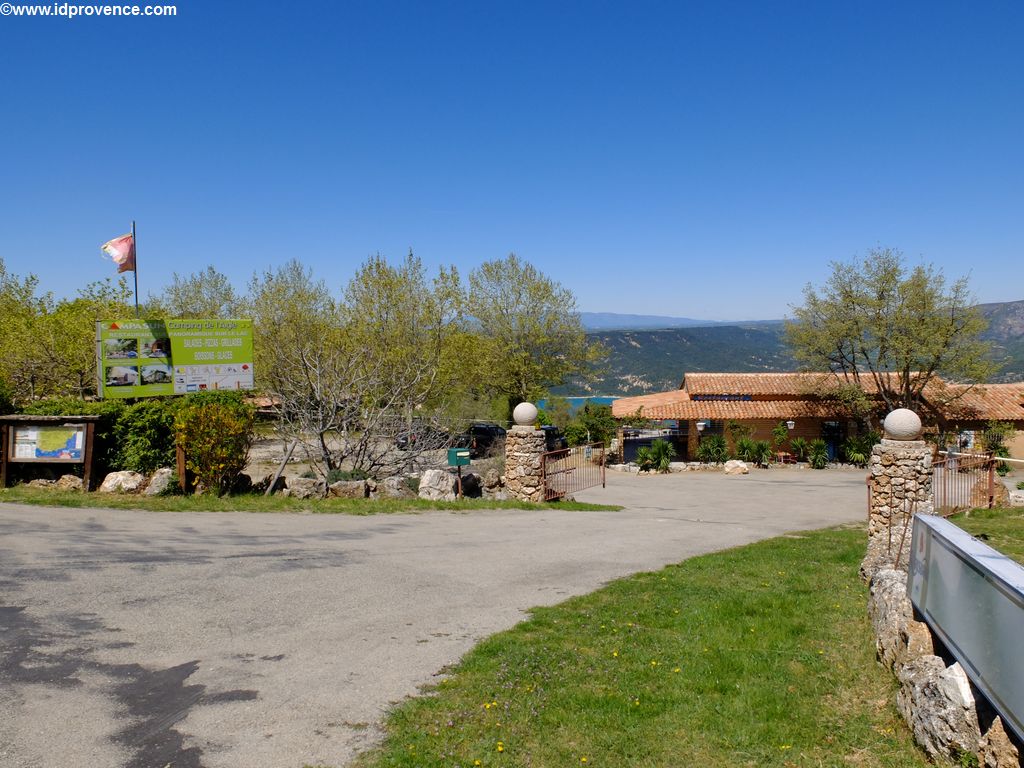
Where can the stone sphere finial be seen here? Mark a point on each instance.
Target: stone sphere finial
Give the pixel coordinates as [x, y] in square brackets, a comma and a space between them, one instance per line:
[902, 424]
[525, 414]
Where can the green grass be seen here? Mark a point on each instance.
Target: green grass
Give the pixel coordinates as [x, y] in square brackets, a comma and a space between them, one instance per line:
[275, 503]
[758, 656]
[1001, 529]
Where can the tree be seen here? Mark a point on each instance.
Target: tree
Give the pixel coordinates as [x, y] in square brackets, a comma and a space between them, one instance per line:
[48, 346]
[202, 294]
[530, 333]
[877, 323]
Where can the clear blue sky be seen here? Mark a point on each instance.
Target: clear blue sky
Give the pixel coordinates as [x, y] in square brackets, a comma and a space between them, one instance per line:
[704, 160]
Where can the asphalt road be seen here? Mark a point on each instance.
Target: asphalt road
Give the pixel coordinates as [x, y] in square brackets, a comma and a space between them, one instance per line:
[242, 640]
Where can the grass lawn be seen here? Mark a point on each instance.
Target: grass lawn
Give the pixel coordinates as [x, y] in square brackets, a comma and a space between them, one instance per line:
[275, 503]
[758, 656]
[1001, 529]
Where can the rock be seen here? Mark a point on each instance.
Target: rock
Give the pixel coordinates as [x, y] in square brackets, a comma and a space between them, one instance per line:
[349, 489]
[307, 488]
[69, 483]
[678, 466]
[123, 482]
[492, 480]
[161, 480]
[395, 488]
[996, 749]
[938, 705]
[736, 467]
[915, 641]
[1015, 499]
[889, 609]
[902, 425]
[437, 485]
[41, 482]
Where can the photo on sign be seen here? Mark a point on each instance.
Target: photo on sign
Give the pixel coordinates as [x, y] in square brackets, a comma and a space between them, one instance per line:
[156, 374]
[122, 376]
[156, 348]
[116, 349]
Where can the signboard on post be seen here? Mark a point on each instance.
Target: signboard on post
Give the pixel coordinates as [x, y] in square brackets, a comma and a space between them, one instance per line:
[149, 358]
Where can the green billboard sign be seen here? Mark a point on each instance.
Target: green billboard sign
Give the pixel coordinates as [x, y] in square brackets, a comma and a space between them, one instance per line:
[147, 358]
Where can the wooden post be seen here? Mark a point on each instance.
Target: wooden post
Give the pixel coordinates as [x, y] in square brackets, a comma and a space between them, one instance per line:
[179, 455]
[90, 431]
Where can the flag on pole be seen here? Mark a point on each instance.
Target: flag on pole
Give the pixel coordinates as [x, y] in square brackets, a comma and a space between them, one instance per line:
[122, 251]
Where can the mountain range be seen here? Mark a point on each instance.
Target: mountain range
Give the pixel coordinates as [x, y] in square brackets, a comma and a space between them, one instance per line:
[650, 353]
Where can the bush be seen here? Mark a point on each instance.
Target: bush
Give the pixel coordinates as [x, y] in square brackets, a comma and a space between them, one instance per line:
[657, 457]
[763, 453]
[799, 447]
[780, 434]
[6, 398]
[857, 448]
[713, 450]
[817, 454]
[746, 449]
[993, 440]
[216, 433]
[144, 433]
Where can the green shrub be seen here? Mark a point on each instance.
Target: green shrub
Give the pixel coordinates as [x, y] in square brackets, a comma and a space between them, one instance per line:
[657, 457]
[746, 449]
[857, 448]
[6, 398]
[216, 433]
[144, 433]
[780, 434]
[763, 453]
[1020, 485]
[412, 483]
[817, 454]
[993, 440]
[799, 448]
[713, 450]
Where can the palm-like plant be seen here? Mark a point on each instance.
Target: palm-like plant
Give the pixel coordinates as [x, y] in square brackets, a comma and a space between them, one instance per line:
[657, 457]
[817, 454]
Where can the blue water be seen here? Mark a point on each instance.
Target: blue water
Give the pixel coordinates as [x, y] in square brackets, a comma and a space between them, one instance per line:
[575, 403]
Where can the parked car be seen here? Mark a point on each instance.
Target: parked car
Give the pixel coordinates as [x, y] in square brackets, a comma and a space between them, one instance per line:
[554, 440]
[482, 438]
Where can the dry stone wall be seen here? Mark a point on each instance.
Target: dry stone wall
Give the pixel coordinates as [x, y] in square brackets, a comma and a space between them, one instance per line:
[901, 486]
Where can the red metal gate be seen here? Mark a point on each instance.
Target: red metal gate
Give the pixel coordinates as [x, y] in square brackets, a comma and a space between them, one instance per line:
[572, 469]
[963, 481]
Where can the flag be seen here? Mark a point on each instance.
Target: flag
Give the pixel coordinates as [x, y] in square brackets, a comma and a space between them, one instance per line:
[122, 251]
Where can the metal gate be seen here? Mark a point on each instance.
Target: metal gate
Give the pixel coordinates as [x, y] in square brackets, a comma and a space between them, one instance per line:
[572, 469]
[963, 481]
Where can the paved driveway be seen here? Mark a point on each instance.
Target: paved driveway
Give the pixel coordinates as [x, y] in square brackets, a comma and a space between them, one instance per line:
[245, 640]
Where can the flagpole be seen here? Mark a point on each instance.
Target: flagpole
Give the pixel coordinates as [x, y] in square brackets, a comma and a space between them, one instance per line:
[135, 246]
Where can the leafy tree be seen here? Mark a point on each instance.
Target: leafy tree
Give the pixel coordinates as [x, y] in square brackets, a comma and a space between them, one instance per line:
[593, 423]
[201, 294]
[877, 322]
[530, 336]
[556, 411]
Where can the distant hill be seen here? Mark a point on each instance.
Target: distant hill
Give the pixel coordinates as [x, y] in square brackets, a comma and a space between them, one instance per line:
[645, 360]
[607, 321]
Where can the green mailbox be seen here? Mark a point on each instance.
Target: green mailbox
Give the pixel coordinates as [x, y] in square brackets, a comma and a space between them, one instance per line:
[458, 457]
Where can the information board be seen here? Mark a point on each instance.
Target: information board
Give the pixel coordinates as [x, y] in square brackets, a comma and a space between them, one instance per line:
[147, 358]
[65, 442]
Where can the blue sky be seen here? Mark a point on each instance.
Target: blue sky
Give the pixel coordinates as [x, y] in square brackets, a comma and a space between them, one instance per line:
[704, 160]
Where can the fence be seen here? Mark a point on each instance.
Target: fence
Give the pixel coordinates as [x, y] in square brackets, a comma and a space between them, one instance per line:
[572, 469]
[963, 481]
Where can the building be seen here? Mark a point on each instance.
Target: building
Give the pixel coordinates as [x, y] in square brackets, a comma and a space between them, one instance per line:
[808, 403]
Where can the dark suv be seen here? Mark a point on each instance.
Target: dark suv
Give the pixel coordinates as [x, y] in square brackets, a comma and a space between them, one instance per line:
[554, 440]
[482, 438]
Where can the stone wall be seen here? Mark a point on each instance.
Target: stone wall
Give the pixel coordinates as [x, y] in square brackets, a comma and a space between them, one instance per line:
[936, 699]
[524, 471]
[901, 486]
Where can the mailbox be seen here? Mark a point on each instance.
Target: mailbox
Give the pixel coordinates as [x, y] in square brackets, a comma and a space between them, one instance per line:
[458, 457]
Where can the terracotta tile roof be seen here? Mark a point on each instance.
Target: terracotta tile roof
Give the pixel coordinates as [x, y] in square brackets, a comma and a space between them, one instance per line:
[999, 402]
[795, 395]
[692, 410]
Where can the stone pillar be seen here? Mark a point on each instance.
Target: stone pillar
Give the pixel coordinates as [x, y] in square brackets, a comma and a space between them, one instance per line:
[901, 486]
[524, 447]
